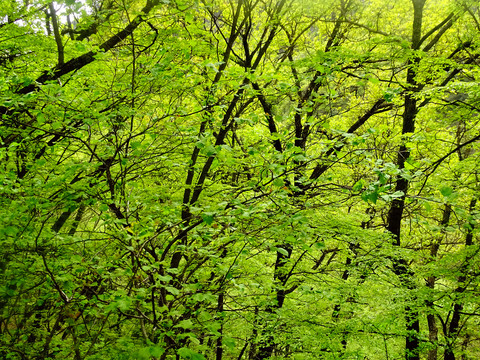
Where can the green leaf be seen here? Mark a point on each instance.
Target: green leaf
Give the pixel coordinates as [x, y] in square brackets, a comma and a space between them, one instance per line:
[319, 245]
[397, 194]
[210, 150]
[172, 290]
[164, 278]
[358, 185]
[208, 217]
[186, 353]
[229, 342]
[156, 351]
[278, 182]
[446, 191]
[370, 196]
[299, 158]
[40, 118]
[185, 324]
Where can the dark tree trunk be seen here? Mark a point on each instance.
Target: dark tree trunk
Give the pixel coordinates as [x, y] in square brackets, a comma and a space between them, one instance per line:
[395, 213]
[454, 326]
[431, 320]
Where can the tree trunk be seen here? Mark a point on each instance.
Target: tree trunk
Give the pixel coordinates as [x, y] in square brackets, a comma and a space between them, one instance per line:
[454, 326]
[431, 320]
[395, 213]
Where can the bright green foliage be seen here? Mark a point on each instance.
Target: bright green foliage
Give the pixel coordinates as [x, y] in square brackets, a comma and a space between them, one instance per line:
[223, 179]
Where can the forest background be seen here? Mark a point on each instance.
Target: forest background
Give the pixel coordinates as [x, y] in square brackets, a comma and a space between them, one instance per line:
[251, 179]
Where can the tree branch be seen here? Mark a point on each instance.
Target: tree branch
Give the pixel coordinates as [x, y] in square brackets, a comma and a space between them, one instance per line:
[56, 33]
[379, 106]
[435, 28]
[85, 59]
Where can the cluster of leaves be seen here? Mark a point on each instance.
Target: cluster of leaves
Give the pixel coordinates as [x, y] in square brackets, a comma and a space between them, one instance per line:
[239, 179]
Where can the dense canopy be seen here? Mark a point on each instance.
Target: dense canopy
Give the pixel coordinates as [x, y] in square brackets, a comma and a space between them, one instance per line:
[239, 179]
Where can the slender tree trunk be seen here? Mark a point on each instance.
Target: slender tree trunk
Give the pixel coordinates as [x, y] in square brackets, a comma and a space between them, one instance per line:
[219, 349]
[346, 274]
[56, 32]
[432, 335]
[280, 278]
[431, 320]
[454, 326]
[395, 213]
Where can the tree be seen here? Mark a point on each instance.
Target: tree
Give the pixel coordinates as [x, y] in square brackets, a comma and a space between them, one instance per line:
[239, 180]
